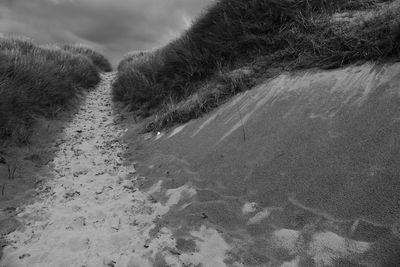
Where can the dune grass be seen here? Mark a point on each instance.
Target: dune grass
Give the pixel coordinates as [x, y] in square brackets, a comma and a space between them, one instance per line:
[38, 82]
[98, 59]
[193, 74]
[130, 58]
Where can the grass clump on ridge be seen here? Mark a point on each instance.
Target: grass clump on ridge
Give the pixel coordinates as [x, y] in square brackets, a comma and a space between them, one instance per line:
[130, 58]
[200, 70]
[38, 82]
[98, 59]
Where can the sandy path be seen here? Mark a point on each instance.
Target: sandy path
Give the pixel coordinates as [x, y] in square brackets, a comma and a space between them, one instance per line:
[90, 214]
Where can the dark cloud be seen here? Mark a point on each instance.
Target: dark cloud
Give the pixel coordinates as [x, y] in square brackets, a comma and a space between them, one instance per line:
[114, 27]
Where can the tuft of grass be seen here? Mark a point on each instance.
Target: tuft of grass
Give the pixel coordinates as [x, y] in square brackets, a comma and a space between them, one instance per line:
[37, 81]
[98, 59]
[180, 81]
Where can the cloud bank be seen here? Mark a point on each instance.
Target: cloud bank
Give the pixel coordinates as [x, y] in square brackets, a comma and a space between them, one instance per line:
[113, 27]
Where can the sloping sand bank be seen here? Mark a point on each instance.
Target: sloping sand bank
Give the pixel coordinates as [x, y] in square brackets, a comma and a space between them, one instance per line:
[302, 170]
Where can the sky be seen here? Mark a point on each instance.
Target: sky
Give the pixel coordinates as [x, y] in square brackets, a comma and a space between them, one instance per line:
[113, 27]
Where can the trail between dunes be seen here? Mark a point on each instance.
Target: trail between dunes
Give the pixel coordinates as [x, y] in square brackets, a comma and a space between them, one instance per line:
[91, 214]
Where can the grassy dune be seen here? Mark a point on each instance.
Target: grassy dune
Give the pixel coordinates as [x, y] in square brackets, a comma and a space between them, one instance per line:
[39, 82]
[236, 43]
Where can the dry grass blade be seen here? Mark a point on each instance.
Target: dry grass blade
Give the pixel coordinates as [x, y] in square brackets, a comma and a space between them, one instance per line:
[11, 170]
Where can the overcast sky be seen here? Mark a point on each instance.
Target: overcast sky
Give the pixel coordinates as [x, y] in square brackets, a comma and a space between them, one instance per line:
[113, 27]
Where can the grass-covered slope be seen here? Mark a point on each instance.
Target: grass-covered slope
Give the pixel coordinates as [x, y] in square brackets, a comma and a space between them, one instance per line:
[38, 82]
[236, 42]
